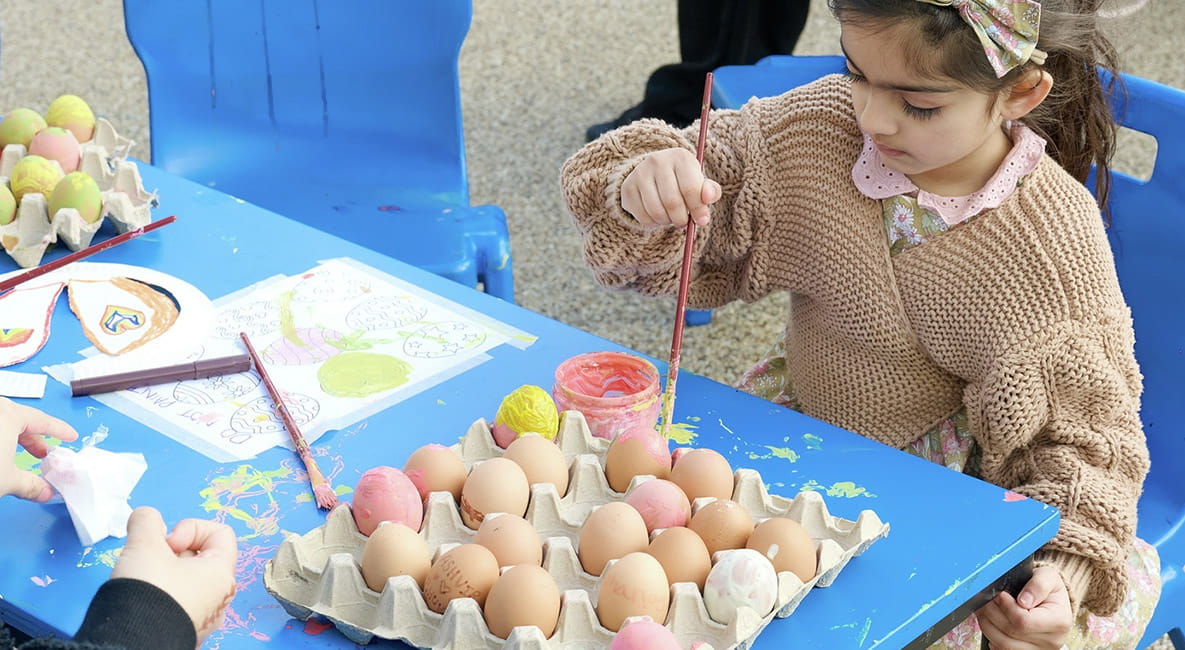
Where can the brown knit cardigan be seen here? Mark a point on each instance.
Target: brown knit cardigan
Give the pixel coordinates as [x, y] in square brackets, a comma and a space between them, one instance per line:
[1016, 315]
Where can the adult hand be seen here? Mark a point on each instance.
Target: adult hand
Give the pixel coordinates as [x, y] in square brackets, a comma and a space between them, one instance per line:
[195, 564]
[666, 187]
[29, 428]
[1040, 617]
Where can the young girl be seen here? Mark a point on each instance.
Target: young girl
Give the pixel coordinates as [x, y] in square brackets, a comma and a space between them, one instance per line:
[953, 292]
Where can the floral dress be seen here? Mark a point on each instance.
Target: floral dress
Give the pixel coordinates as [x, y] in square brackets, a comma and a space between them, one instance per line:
[913, 217]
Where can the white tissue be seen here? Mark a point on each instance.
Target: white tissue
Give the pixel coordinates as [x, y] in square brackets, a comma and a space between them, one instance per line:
[95, 484]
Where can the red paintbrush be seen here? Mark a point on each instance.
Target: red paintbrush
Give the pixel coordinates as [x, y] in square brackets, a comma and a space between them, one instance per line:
[668, 396]
[20, 278]
[322, 490]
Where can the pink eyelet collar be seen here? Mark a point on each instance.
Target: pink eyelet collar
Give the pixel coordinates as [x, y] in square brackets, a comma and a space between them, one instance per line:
[876, 181]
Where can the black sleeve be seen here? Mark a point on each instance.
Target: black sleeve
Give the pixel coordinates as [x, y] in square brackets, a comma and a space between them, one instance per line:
[128, 614]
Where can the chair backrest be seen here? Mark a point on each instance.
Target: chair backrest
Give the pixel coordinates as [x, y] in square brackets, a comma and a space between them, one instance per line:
[1147, 234]
[311, 78]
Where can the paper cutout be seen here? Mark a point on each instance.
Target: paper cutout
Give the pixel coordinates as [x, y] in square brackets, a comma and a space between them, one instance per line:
[341, 342]
[95, 484]
[120, 315]
[22, 384]
[25, 315]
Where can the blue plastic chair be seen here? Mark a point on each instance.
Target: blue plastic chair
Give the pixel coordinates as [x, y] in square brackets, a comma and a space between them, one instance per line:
[1147, 235]
[343, 114]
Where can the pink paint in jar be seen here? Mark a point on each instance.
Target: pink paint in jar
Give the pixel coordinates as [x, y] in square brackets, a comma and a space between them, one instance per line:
[615, 391]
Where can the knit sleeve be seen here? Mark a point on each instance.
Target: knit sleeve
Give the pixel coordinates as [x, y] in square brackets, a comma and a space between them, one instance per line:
[1057, 417]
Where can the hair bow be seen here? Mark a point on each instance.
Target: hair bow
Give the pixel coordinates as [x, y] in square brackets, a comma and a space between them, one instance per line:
[1007, 29]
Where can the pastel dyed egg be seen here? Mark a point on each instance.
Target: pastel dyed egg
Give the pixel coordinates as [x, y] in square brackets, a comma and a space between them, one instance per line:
[34, 175]
[661, 503]
[19, 127]
[386, 494]
[79, 191]
[56, 143]
[71, 112]
[742, 578]
[637, 452]
[527, 409]
[7, 206]
[642, 633]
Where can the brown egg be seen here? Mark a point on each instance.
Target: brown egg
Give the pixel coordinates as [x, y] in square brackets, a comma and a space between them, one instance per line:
[524, 595]
[703, 473]
[611, 531]
[682, 554]
[634, 586]
[512, 539]
[392, 550]
[541, 460]
[494, 485]
[788, 546]
[436, 468]
[637, 452]
[466, 571]
[722, 524]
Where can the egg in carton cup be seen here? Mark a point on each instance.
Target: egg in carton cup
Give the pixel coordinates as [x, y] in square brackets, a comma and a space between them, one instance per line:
[318, 573]
[123, 197]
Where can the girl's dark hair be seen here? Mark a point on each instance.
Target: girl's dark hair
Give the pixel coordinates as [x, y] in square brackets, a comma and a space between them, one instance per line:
[1075, 119]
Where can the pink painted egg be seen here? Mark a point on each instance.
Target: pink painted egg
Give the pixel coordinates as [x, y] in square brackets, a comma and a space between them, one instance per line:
[642, 633]
[56, 143]
[386, 494]
[661, 503]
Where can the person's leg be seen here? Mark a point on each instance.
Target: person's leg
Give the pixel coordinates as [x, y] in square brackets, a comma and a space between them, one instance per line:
[713, 33]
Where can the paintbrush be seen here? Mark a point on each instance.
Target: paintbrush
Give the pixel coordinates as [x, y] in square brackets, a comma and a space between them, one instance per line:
[322, 490]
[19, 278]
[668, 396]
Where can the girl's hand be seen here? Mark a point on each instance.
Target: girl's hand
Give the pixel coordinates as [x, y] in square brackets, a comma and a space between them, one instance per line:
[666, 187]
[195, 564]
[1039, 618]
[26, 426]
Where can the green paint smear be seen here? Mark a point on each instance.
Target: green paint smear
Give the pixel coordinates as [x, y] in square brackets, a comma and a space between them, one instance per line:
[287, 322]
[812, 441]
[864, 631]
[27, 462]
[783, 452]
[837, 489]
[361, 374]
[355, 341]
[682, 433]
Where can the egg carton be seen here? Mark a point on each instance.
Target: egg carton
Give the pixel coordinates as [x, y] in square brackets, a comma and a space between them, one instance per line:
[124, 200]
[318, 573]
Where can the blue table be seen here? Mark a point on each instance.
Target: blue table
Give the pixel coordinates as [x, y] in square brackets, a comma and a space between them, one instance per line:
[952, 536]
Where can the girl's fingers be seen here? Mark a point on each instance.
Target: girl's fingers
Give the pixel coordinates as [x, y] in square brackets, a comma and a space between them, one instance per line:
[652, 203]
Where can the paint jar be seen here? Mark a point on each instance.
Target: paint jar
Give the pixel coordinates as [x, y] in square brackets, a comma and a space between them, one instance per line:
[615, 391]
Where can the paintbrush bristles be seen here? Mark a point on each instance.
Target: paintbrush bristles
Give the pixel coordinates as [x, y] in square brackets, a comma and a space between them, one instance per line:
[667, 409]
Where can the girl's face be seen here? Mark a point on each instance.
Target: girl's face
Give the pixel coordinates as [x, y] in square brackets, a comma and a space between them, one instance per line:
[946, 137]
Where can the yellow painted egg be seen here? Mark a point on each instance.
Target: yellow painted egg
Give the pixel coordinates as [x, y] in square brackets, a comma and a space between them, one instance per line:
[19, 126]
[527, 409]
[7, 206]
[33, 174]
[79, 191]
[56, 143]
[71, 112]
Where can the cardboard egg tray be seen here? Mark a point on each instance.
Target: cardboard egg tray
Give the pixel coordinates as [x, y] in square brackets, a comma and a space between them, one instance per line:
[125, 201]
[318, 573]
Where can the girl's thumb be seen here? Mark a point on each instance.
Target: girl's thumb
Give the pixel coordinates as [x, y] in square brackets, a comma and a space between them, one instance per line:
[146, 528]
[711, 191]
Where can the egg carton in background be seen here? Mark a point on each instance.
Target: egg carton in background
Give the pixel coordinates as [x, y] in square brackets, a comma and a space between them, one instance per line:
[124, 200]
[318, 573]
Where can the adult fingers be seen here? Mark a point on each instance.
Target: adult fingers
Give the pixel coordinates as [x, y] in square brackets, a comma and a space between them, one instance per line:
[27, 485]
[1044, 582]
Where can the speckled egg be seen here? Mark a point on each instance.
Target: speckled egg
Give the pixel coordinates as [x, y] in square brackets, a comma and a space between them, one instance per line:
[56, 143]
[19, 126]
[71, 112]
[79, 191]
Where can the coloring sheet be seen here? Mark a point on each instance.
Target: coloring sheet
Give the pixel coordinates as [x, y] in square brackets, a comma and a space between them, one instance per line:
[341, 341]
